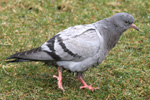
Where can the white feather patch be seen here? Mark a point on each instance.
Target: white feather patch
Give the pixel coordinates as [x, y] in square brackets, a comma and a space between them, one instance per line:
[45, 47]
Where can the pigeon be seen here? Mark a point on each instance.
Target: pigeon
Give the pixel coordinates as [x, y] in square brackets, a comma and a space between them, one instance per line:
[79, 47]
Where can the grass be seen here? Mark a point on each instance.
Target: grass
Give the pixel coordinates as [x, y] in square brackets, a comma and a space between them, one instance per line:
[124, 75]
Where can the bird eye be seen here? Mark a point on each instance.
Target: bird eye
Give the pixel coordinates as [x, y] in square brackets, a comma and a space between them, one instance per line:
[126, 21]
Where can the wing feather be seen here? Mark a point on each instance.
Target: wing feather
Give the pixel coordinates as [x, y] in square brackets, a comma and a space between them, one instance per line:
[75, 43]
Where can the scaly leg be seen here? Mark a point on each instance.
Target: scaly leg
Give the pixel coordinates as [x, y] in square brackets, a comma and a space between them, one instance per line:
[85, 85]
[59, 78]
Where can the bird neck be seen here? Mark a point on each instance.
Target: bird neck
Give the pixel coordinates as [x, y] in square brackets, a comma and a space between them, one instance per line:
[110, 33]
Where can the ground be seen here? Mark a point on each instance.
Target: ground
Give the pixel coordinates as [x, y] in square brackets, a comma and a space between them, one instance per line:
[124, 75]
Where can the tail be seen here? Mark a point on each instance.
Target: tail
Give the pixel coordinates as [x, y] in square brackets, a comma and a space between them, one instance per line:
[36, 54]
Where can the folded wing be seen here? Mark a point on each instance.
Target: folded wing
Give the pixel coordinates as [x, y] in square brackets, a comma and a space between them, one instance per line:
[73, 44]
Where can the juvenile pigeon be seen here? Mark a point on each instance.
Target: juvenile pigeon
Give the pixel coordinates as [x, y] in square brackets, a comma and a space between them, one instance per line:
[80, 47]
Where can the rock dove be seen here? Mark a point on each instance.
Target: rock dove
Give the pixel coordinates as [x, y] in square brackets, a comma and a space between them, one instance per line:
[80, 47]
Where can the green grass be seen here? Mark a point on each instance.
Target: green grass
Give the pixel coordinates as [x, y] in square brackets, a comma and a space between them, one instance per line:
[124, 75]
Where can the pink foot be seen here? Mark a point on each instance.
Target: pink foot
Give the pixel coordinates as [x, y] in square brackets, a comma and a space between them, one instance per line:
[59, 82]
[59, 79]
[89, 87]
[85, 85]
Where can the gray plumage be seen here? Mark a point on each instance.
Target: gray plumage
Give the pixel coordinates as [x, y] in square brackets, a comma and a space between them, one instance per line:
[80, 47]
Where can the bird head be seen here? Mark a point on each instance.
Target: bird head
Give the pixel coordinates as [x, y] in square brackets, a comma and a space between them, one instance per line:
[124, 20]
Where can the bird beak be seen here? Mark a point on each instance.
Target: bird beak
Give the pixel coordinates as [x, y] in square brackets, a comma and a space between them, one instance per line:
[134, 26]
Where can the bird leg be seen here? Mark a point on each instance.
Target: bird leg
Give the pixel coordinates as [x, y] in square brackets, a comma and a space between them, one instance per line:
[85, 85]
[59, 78]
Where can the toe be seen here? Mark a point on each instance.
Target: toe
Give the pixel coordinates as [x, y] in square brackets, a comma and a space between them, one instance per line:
[89, 87]
[60, 87]
[55, 76]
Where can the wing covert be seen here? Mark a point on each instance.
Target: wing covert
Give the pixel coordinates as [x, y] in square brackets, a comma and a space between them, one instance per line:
[75, 43]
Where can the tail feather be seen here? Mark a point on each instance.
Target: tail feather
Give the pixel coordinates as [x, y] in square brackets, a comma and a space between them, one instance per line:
[36, 54]
[17, 60]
